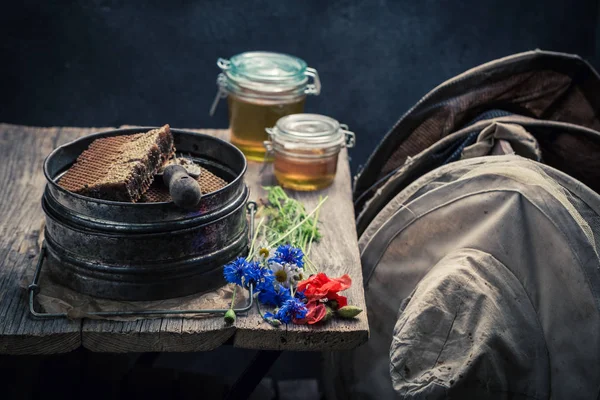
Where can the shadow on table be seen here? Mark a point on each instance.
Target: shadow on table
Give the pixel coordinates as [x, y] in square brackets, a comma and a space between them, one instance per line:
[85, 375]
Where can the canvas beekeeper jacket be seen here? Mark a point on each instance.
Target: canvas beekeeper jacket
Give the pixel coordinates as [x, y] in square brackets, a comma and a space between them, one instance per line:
[479, 224]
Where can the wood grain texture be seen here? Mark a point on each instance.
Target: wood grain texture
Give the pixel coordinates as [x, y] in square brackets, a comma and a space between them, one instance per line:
[21, 174]
[156, 335]
[23, 150]
[337, 254]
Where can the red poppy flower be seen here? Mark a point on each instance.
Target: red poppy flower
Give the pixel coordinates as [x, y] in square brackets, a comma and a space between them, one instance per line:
[316, 312]
[320, 288]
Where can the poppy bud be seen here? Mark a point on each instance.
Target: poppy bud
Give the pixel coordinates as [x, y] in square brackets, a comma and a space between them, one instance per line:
[328, 314]
[349, 311]
[275, 322]
[333, 304]
[229, 316]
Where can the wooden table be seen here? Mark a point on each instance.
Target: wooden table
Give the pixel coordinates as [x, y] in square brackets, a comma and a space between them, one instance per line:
[23, 149]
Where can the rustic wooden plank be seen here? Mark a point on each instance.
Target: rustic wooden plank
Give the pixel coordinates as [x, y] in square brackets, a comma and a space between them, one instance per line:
[156, 335]
[22, 150]
[336, 254]
[19, 334]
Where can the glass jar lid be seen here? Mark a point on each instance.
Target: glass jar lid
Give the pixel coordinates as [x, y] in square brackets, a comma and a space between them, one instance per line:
[268, 72]
[310, 131]
[264, 66]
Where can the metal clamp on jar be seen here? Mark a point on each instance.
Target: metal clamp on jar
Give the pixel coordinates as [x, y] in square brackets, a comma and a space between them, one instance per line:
[262, 87]
[305, 149]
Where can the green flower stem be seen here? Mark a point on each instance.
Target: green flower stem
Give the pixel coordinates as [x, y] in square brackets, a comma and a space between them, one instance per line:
[274, 323]
[264, 232]
[233, 297]
[314, 228]
[259, 311]
[286, 212]
[251, 252]
[310, 266]
[290, 231]
[278, 192]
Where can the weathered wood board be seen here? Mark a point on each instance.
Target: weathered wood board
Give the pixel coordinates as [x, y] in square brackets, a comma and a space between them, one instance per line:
[336, 254]
[22, 151]
[21, 217]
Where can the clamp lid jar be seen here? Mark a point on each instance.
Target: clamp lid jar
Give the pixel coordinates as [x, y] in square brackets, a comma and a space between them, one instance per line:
[305, 149]
[262, 87]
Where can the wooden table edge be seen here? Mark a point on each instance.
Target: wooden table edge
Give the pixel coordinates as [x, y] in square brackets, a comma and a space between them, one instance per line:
[20, 345]
[244, 337]
[146, 342]
[280, 339]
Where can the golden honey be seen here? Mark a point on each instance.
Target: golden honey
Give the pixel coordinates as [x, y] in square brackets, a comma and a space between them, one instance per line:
[248, 120]
[305, 149]
[261, 88]
[305, 173]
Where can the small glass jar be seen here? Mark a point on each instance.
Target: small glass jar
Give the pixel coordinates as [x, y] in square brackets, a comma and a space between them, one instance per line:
[262, 87]
[305, 148]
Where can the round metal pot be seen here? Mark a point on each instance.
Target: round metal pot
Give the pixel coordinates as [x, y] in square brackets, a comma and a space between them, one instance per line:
[146, 251]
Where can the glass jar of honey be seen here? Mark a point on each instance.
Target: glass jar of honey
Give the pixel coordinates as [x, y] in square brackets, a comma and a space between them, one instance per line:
[262, 87]
[305, 148]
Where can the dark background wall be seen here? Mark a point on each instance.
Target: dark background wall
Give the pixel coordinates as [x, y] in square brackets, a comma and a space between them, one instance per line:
[113, 62]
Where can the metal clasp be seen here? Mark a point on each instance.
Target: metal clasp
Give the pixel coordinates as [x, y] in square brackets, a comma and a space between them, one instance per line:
[270, 153]
[350, 136]
[221, 92]
[315, 87]
[269, 147]
[224, 64]
[269, 143]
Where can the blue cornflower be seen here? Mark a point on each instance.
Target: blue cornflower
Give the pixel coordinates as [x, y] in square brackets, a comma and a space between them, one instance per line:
[291, 309]
[287, 254]
[234, 271]
[274, 295]
[269, 315]
[300, 295]
[266, 281]
[244, 273]
[254, 274]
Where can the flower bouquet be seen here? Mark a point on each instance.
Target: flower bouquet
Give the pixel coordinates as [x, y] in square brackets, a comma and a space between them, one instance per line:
[279, 271]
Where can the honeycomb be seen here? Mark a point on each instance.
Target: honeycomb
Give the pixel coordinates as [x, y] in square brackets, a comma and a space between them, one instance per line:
[119, 168]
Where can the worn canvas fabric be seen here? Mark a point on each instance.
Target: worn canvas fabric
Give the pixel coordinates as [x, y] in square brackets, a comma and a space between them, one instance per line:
[570, 148]
[539, 85]
[479, 227]
[482, 281]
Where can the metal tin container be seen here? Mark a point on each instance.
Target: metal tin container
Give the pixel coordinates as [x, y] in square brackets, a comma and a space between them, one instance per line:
[146, 251]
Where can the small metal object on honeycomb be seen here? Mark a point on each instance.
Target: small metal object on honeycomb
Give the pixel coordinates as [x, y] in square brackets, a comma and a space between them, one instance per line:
[190, 166]
[158, 192]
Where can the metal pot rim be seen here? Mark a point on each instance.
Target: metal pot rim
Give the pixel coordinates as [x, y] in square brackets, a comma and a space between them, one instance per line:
[124, 131]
